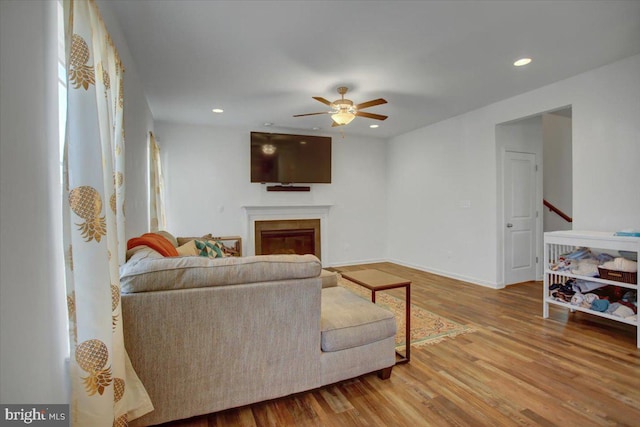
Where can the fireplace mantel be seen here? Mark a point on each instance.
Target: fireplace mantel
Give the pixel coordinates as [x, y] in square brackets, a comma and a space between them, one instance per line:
[273, 212]
[280, 208]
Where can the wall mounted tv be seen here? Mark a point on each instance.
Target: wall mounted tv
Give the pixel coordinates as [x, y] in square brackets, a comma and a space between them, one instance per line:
[290, 159]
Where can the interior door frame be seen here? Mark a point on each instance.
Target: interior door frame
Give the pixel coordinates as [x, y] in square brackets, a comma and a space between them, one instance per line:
[504, 144]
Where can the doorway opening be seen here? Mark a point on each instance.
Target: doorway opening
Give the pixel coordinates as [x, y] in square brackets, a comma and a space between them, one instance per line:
[534, 189]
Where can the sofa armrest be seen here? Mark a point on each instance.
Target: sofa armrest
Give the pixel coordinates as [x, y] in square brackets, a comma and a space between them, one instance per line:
[202, 350]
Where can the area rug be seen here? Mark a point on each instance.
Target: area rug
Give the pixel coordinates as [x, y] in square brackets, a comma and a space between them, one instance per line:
[426, 327]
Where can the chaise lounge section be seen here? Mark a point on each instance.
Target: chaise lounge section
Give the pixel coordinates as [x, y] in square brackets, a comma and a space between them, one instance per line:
[206, 335]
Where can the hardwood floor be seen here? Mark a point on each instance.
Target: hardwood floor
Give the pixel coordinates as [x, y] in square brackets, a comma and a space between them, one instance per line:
[571, 369]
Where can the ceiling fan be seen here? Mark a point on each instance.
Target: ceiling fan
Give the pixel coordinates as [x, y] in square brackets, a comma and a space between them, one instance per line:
[343, 111]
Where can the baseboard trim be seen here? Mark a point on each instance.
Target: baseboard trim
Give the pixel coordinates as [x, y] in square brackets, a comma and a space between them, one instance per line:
[357, 262]
[448, 274]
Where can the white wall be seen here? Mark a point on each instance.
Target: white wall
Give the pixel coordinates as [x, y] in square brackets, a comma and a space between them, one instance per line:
[32, 309]
[432, 169]
[32, 300]
[207, 183]
[138, 121]
[558, 183]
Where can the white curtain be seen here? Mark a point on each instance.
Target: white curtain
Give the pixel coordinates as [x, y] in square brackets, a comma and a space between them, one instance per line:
[105, 389]
[157, 220]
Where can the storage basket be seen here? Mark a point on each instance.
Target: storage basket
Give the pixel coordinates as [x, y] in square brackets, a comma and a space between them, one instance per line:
[618, 276]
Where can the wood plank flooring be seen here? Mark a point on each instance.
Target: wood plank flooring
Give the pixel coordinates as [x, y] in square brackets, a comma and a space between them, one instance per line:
[571, 369]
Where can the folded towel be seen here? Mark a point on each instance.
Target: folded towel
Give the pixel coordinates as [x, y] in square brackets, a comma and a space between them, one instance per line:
[578, 253]
[588, 300]
[600, 305]
[621, 264]
[585, 286]
[623, 311]
[586, 267]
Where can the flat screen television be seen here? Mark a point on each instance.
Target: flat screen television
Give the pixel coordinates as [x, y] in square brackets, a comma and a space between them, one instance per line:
[290, 159]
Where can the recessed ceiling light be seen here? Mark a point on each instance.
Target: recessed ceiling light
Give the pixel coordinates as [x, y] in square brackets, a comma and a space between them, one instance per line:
[218, 110]
[315, 128]
[374, 126]
[268, 124]
[522, 61]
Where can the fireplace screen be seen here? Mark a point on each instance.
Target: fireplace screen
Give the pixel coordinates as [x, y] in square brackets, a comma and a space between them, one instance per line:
[298, 236]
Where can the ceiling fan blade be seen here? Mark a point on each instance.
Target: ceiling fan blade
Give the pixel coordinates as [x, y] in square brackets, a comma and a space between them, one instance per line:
[321, 99]
[371, 103]
[310, 114]
[371, 115]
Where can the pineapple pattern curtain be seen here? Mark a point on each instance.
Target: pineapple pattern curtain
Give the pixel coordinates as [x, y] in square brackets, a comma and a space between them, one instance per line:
[157, 219]
[105, 389]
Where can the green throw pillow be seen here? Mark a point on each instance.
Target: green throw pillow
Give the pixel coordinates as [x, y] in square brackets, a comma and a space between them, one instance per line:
[211, 249]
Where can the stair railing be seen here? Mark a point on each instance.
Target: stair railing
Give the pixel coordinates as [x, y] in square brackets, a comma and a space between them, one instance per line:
[554, 209]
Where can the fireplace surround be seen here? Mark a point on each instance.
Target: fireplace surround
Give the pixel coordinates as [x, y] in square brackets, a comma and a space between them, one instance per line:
[288, 212]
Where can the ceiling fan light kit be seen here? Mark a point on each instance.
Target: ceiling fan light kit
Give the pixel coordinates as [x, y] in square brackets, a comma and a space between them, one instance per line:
[343, 111]
[343, 117]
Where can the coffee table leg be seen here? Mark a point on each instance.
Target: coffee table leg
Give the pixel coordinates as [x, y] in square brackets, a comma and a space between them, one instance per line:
[407, 332]
[408, 322]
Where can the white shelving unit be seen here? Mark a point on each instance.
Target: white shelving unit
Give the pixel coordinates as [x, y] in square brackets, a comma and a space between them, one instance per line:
[557, 243]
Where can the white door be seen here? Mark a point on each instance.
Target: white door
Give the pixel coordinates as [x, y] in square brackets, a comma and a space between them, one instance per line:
[520, 217]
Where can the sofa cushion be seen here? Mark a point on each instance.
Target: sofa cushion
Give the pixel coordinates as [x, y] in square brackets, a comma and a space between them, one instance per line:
[329, 278]
[348, 320]
[148, 271]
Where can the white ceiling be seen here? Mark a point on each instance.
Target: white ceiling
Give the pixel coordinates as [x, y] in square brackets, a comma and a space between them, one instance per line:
[262, 61]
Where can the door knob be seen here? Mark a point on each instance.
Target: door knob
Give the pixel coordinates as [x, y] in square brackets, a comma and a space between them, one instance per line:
[509, 225]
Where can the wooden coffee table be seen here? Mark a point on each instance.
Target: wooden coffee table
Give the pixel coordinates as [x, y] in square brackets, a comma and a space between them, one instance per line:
[376, 280]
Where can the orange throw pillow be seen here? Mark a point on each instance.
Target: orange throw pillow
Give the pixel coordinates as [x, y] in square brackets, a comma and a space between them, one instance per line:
[156, 242]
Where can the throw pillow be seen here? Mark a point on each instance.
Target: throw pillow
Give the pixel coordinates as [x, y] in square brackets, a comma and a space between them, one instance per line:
[188, 249]
[154, 241]
[170, 237]
[211, 249]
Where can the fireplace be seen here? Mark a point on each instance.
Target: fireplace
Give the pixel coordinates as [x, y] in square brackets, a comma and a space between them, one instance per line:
[281, 212]
[288, 236]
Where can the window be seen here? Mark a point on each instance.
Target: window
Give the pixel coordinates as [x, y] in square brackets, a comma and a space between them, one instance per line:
[62, 83]
[62, 123]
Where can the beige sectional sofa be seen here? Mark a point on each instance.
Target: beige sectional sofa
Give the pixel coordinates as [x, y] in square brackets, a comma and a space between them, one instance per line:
[206, 335]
